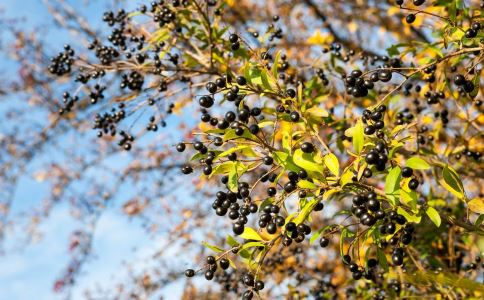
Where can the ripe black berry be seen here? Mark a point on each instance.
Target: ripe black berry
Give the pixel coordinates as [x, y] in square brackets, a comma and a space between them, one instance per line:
[470, 33]
[238, 228]
[367, 173]
[189, 273]
[459, 80]
[357, 275]
[291, 93]
[410, 18]
[397, 259]
[418, 2]
[241, 80]
[224, 263]
[294, 116]
[259, 285]
[209, 275]
[385, 75]
[233, 38]
[307, 147]
[324, 242]
[180, 147]
[407, 172]
[186, 170]
[211, 87]
[268, 160]
[413, 184]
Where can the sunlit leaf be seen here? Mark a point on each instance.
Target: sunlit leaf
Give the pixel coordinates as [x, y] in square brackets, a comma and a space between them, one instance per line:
[417, 163]
[331, 161]
[250, 234]
[211, 247]
[476, 205]
[434, 216]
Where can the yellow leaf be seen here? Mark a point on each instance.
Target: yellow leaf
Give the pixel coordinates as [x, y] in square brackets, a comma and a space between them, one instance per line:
[427, 120]
[393, 10]
[319, 39]
[476, 205]
[352, 27]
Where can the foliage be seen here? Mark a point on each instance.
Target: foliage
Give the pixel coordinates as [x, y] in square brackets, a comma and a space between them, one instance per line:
[309, 135]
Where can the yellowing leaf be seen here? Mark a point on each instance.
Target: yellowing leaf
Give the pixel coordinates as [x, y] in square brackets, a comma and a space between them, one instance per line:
[320, 39]
[358, 137]
[305, 211]
[331, 161]
[352, 27]
[476, 205]
[434, 216]
[451, 182]
[306, 184]
[307, 162]
[392, 182]
[393, 10]
[251, 234]
[211, 247]
[317, 112]
[417, 163]
[409, 216]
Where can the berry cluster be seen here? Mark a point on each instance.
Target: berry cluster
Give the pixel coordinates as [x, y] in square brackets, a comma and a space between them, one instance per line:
[105, 54]
[377, 156]
[69, 102]
[374, 121]
[106, 123]
[134, 81]
[62, 63]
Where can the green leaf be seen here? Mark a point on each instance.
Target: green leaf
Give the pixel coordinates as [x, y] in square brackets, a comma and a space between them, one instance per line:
[318, 233]
[265, 80]
[232, 241]
[345, 233]
[251, 245]
[409, 216]
[211, 247]
[304, 184]
[231, 150]
[275, 65]
[247, 73]
[358, 137]
[392, 182]
[476, 82]
[393, 50]
[223, 168]
[306, 161]
[417, 163]
[306, 210]
[233, 179]
[409, 198]
[232, 264]
[230, 135]
[451, 182]
[331, 161]
[382, 259]
[479, 220]
[251, 234]
[283, 159]
[434, 216]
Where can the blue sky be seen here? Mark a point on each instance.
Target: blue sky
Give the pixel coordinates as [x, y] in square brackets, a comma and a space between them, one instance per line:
[28, 272]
